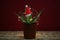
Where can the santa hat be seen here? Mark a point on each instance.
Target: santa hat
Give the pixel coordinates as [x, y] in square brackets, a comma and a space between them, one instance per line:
[28, 11]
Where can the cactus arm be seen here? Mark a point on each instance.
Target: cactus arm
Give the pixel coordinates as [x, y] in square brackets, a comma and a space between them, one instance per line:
[36, 17]
[22, 18]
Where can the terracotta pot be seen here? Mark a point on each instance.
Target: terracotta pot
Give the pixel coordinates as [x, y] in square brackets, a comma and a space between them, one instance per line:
[30, 31]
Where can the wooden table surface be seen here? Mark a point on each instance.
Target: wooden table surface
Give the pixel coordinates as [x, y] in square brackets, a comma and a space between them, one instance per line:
[40, 35]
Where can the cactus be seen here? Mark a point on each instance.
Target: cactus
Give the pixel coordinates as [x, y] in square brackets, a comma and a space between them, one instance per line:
[30, 20]
[28, 15]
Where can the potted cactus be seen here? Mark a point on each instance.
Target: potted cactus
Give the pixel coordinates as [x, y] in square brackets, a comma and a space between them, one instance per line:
[29, 22]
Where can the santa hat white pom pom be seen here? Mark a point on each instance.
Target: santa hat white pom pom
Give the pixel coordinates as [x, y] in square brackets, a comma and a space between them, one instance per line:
[26, 5]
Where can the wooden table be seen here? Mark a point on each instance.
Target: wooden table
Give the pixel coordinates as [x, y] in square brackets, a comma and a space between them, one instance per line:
[40, 35]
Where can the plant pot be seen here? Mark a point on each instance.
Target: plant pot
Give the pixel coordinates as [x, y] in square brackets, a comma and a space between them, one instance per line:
[29, 31]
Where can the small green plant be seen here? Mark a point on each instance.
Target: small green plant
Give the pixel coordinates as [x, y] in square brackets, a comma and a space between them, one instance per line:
[29, 19]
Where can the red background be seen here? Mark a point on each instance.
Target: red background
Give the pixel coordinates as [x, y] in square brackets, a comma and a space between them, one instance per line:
[50, 20]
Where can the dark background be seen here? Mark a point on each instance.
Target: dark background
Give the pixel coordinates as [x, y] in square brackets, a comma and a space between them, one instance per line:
[50, 20]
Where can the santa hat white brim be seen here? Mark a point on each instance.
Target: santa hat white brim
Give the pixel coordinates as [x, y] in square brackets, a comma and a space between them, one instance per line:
[27, 15]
